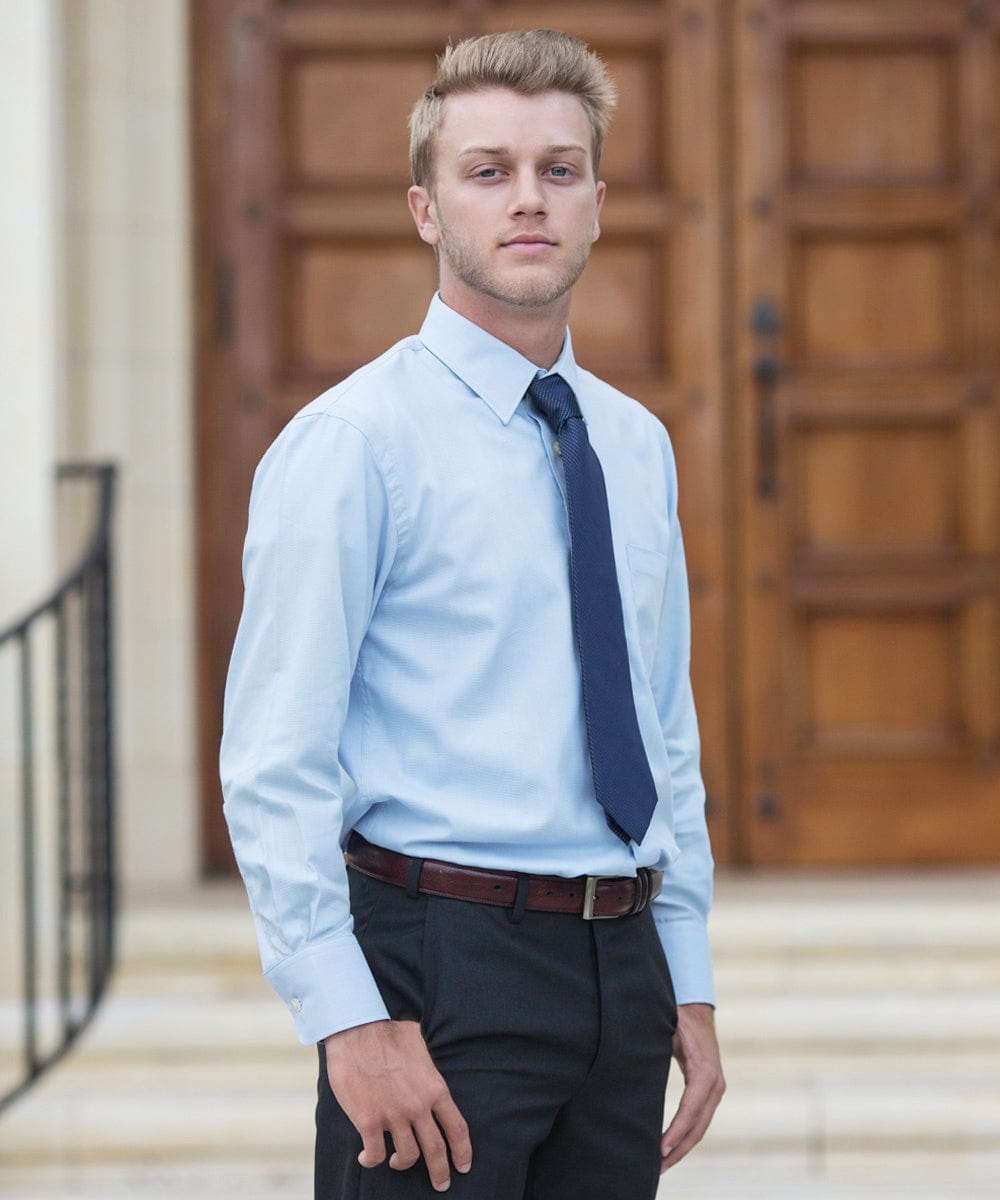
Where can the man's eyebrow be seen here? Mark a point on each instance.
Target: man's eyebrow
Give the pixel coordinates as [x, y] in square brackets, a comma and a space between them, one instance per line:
[500, 151]
[494, 150]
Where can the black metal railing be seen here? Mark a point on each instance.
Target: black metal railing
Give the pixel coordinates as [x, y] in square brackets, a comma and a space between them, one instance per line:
[57, 661]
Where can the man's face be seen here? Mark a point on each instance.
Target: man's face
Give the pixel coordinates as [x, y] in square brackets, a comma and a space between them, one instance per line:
[513, 205]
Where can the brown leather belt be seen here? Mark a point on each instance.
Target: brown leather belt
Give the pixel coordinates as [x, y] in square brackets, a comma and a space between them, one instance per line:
[594, 897]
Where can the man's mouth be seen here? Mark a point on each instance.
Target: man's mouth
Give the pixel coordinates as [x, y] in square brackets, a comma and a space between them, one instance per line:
[528, 243]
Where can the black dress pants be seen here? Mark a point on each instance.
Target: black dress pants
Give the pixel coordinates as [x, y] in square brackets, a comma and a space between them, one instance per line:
[552, 1033]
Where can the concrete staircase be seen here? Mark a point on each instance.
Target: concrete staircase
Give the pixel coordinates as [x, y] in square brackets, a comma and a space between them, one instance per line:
[860, 1019]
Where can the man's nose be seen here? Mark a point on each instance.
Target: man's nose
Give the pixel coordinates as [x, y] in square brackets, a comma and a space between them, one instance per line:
[528, 196]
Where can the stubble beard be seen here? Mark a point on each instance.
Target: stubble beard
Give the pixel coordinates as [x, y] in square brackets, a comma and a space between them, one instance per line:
[527, 291]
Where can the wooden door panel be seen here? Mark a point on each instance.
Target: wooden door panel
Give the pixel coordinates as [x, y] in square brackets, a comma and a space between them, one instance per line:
[346, 115]
[333, 285]
[850, 488]
[868, 422]
[868, 135]
[876, 299]
[879, 683]
[309, 264]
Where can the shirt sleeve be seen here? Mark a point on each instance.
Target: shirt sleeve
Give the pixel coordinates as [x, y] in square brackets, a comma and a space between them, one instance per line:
[320, 543]
[681, 910]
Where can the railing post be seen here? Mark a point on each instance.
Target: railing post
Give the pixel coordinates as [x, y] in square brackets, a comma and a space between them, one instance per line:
[63, 800]
[84, 877]
[30, 945]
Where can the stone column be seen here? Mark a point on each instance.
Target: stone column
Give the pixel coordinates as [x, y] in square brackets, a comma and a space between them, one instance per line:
[31, 375]
[129, 393]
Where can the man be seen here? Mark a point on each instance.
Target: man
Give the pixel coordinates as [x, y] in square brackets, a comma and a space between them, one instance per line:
[463, 658]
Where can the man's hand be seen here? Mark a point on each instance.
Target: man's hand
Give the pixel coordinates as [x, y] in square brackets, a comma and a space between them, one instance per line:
[385, 1081]
[697, 1053]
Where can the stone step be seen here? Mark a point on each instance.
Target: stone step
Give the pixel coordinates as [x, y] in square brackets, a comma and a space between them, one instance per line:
[764, 972]
[161, 1109]
[846, 1024]
[742, 1177]
[851, 1023]
[780, 971]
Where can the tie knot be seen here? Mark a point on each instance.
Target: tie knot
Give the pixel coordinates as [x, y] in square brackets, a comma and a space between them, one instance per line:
[555, 400]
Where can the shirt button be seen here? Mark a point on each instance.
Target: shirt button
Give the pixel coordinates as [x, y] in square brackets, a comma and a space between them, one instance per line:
[558, 449]
[296, 1004]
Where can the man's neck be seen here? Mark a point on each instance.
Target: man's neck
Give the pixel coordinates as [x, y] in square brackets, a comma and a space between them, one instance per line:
[538, 334]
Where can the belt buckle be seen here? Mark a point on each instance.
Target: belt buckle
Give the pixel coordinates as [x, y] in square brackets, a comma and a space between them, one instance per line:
[589, 896]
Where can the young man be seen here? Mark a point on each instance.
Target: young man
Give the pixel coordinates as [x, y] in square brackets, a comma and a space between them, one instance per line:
[463, 658]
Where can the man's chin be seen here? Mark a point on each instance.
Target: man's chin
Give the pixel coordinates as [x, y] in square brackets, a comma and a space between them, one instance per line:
[537, 293]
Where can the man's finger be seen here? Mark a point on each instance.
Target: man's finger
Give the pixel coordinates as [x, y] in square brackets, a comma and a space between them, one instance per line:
[405, 1149]
[673, 1143]
[373, 1152]
[456, 1130]
[691, 1122]
[692, 1103]
[435, 1153]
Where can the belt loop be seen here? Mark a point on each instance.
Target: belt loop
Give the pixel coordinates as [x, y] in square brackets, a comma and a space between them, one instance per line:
[413, 878]
[515, 914]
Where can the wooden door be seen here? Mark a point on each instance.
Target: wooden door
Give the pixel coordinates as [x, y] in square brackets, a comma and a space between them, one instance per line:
[867, 326]
[308, 263]
[802, 286]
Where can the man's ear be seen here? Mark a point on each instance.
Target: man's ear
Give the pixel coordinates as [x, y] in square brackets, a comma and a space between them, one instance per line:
[601, 189]
[424, 214]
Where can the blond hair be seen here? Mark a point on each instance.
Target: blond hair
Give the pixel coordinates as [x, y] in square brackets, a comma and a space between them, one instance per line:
[525, 61]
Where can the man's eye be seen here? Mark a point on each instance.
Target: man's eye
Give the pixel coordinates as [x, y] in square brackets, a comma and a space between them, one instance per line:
[487, 173]
[561, 172]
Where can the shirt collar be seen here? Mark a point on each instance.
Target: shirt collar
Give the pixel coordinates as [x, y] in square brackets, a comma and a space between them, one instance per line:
[496, 372]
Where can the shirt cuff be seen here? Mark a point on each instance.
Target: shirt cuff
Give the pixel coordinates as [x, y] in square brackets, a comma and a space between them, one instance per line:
[328, 987]
[685, 944]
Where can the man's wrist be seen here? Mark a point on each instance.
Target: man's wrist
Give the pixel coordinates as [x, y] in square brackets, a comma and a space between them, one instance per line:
[343, 1035]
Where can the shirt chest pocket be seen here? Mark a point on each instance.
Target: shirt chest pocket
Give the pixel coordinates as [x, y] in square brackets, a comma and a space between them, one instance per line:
[648, 575]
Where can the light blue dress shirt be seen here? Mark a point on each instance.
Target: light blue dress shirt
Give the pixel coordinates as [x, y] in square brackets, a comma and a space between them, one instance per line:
[405, 663]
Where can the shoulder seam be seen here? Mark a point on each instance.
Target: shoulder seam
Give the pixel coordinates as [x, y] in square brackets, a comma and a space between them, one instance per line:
[386, 474]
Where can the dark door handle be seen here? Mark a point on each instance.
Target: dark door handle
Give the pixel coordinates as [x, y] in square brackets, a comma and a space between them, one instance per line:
[765, 324]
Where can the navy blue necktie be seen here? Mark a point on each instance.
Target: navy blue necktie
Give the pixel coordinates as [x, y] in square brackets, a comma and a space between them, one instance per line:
[622, 779]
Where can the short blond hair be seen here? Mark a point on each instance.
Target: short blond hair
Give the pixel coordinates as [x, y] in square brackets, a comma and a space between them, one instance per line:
[525, 61]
